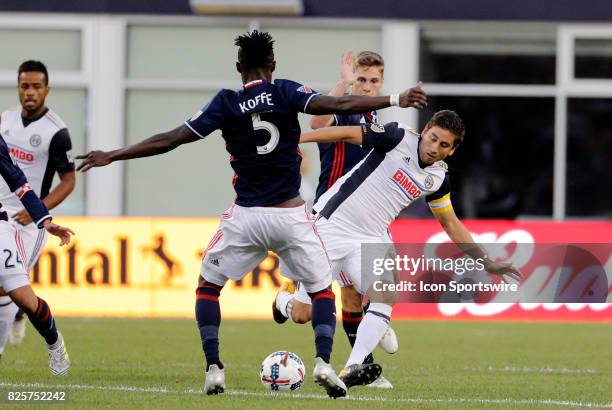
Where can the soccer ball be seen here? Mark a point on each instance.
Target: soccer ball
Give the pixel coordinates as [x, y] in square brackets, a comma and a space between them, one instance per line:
[282, 371]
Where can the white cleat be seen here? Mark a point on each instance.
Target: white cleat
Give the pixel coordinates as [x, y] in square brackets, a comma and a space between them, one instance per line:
[381, 383]
[389, 341]
[18, 331]
[215, 380]
[326, 377]
[59, 362]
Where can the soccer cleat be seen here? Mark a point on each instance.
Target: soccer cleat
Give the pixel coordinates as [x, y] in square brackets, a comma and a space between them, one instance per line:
[287, 287]
[360, 374]
[324, 376]
[59, 362]
[18, 331]
[389, 341]
[215, 380]
[381, 383]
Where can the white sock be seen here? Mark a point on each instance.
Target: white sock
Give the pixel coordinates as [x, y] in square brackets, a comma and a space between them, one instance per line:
[371, 329]
[284, 303]
[7, 317]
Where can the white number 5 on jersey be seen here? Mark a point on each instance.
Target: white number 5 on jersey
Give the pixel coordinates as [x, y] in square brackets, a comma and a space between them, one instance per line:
[258, 124]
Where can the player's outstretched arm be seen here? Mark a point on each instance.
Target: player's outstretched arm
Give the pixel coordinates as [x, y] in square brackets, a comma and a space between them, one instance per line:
[353, 104]
[351, 134]
[155, 145]
[347, 79]
[459, 234]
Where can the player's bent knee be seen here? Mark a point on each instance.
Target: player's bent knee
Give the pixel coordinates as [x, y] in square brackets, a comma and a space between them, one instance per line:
[375, 295]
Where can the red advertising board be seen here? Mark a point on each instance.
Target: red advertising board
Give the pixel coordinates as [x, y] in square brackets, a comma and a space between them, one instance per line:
[514, 232]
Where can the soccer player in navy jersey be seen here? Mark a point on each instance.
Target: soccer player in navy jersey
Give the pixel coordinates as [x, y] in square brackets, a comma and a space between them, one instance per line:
[14, 277]
[362, 74]
[260, 127]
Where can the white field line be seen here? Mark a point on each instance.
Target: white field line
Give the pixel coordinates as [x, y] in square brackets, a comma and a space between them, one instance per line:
[164, 390]
[539, 370]
[508, 369]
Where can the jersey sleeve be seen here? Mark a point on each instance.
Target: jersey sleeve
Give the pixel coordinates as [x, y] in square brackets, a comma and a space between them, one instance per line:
[18, 184]
[60, 151]
[209, 118]
[298, 95]
[381, 138]
[439, 202]
[342, 120]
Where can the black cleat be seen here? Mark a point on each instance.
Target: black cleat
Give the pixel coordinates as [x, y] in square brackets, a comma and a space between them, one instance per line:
[277, 315]
[360, 374]
[287, 286]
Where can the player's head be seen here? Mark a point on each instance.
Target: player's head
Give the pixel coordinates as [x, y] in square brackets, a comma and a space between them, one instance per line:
[369, 68]
[32, 85]
[441, 136]
[255, 54]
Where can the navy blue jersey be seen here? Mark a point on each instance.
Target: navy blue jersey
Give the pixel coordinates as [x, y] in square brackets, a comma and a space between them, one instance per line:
[18, 184]
[337, 158]
[261, 130]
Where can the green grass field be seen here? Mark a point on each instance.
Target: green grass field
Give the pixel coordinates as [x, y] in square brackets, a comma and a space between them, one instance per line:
[122, 363]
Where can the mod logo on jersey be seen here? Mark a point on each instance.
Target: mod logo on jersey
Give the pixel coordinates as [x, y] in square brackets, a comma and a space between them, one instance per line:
[35, 140]
[21, 155]
[407, 185]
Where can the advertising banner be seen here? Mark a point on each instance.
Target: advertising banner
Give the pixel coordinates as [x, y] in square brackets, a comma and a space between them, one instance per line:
[149, 267]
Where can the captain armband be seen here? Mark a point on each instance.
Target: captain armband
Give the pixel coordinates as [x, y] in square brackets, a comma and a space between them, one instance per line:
[441, 205]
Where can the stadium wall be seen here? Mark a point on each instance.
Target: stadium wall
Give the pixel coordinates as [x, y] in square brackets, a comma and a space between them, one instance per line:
[118, 78]
[148, 267]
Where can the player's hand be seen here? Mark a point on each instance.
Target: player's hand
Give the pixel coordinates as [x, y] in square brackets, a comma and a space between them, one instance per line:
[61, 232]
[93, 159]
[502, 269]
[347, 75]
[414, 97]
[22, 217]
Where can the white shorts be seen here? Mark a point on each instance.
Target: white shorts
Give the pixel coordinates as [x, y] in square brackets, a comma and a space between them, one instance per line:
[246, 234]
[344, 250]
[34, 240]
[13, 274]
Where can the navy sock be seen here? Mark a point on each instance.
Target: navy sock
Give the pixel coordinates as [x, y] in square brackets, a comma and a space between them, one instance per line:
[323, 322]
[208, 317]
[350, 323]
[43, 322]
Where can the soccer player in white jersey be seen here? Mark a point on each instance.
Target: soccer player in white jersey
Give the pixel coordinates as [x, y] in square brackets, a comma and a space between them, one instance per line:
[39, 142]
[14, 277]
[401, 167]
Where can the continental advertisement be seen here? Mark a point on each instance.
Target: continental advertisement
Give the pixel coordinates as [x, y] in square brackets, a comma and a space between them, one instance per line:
[149, 267]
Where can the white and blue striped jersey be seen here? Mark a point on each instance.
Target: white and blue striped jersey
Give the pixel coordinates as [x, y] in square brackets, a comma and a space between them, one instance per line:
[369, 197]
